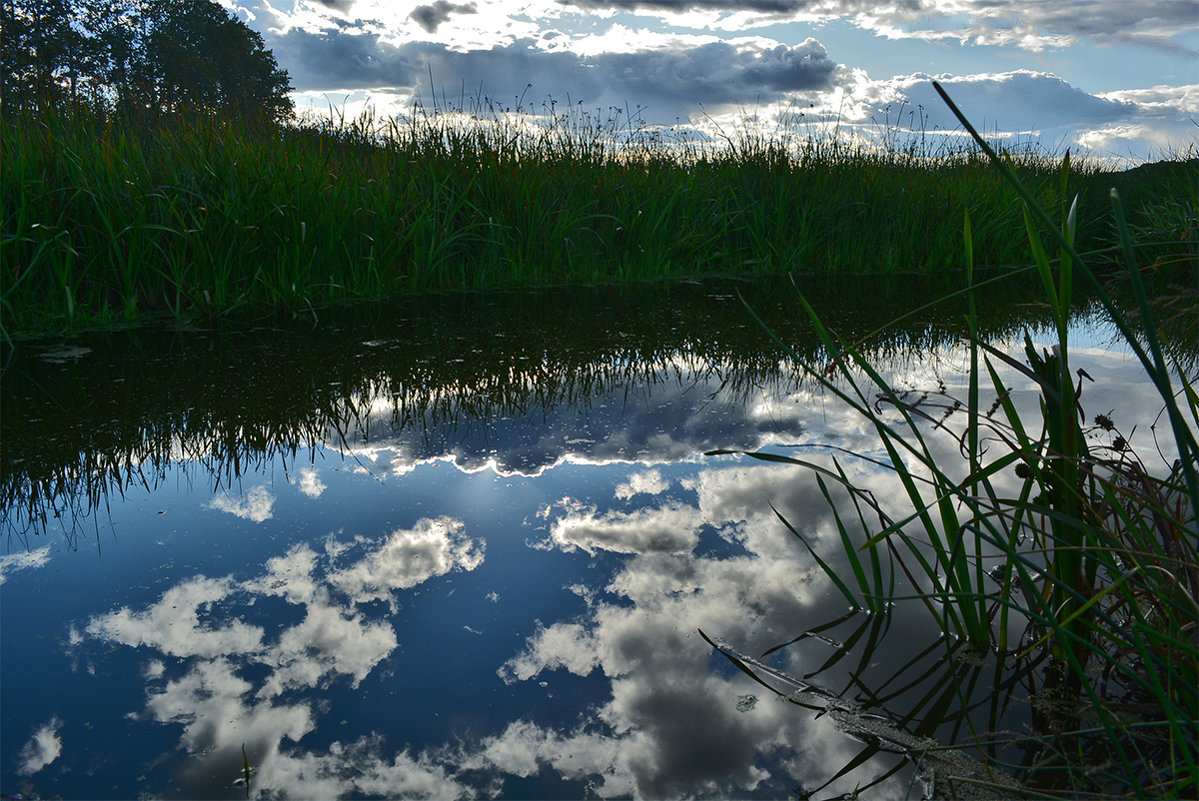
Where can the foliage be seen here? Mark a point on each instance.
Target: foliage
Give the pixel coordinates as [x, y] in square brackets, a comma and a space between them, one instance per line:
[111, 219]
[137, 56]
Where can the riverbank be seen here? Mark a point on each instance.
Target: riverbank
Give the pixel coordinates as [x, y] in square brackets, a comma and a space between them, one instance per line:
[110, 221]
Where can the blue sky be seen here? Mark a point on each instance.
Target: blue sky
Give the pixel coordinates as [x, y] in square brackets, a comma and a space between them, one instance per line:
[1112, 78]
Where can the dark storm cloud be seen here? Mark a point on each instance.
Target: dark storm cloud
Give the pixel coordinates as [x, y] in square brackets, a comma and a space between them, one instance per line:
[1103, 21]
[774, 7]
[431, 16]
[672, 82]
[341, 6]
[1005, 22]
[335, 61]
[720, 73]
[761, 6]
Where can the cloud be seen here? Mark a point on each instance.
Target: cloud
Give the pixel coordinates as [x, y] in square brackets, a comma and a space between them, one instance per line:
[341, 6]
[649, 482]
[364, 767]
[310, 483]
[212, 702]
[563, 645]
[1021, 100]
[1033, 26]
[327, 641]
[409, 557]
[256, 506]
[43, 748]
[23, 560]
[232, 682]
[668, 69]
[334, 61]
[174, 625]
[670, 414]
[671, 727]
[290, 576]
[431, 16]
[673, 80]
[681, 6]
[670, 529]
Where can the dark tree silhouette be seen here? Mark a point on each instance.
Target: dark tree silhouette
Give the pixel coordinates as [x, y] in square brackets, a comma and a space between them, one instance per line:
[145, 55]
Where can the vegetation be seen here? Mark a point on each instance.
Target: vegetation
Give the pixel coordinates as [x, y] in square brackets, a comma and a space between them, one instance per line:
[143, 57]
[112, 218]
[1093, 560]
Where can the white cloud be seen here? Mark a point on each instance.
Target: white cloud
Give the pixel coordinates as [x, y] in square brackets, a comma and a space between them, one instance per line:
[290, 576]
[174, 625]
[409, 557]
[23, 560]
[649, 482]
[362, 768]
[310, 482]
[328, 640]
[43, 748]
[255, 506]
[670, 529]
[563, 645]
[229, 682]
[211, 701]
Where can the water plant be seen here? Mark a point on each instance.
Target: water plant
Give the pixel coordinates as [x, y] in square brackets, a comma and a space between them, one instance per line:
[1093, 560]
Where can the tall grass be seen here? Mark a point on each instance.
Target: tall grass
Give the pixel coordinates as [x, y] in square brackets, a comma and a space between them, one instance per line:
[114, 219]
[1096, 555]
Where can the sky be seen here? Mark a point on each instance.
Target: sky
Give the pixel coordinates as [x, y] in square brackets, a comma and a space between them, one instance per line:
[1111, 78]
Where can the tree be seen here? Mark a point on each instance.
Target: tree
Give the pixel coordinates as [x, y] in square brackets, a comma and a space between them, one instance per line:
[204, 58]
[156, 55]
[38, 50]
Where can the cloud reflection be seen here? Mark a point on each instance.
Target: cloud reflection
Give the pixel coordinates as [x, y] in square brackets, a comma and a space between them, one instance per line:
[670, 529]
[256, 506]
[669, 719]
[21, 560]
[407, 558]
[43, 748]
[220, 708]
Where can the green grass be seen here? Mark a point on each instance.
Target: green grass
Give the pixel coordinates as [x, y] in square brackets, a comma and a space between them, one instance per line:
[1095, 557]
[109, 220]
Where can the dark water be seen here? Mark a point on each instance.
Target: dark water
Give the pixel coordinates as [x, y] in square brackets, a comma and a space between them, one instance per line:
[465, 548]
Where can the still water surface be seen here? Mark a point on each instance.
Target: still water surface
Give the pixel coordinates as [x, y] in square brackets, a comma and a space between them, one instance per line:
[463, 548]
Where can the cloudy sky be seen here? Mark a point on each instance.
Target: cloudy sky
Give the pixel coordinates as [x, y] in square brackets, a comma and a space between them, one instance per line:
[1120, 79]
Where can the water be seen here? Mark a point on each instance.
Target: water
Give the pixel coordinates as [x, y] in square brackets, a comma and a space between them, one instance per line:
[464, 548]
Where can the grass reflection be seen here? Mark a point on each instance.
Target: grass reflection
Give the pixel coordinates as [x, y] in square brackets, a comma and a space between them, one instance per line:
[228, 401]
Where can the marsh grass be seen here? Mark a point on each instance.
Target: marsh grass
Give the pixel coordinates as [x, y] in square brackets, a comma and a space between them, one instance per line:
[1093, 560]
[108, 219]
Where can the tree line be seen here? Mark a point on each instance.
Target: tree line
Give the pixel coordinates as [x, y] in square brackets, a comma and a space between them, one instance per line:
[157, 56]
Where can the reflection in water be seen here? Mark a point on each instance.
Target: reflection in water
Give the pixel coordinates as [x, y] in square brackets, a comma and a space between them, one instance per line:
[442, 563]
[82, 424]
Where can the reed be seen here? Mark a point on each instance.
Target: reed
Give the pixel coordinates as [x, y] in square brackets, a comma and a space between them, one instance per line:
[125, 219]
[1096, 557]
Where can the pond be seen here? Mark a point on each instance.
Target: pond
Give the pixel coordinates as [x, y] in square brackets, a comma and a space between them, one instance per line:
[466, 546]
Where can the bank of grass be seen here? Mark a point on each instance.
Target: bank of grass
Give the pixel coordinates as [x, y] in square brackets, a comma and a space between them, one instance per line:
[108, 220]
